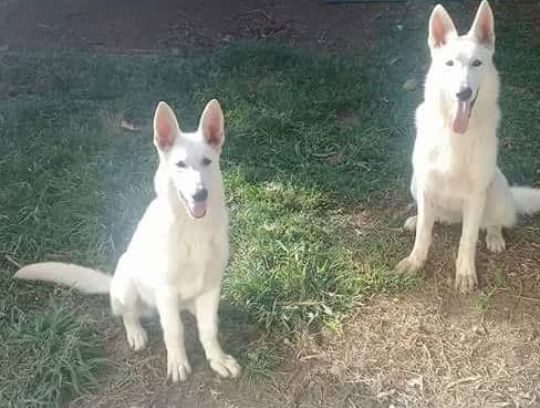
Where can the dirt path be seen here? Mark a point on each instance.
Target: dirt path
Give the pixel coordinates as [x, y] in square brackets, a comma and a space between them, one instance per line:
[128, 25]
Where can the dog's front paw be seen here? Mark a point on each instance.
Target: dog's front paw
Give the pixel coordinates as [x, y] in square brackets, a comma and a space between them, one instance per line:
[178, 367]
[409, 265]
[466, 279]
[225, 365]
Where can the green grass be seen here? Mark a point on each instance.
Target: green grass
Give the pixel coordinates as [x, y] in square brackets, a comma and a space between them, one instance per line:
[46, 357]
[312, 140]
[484, 299]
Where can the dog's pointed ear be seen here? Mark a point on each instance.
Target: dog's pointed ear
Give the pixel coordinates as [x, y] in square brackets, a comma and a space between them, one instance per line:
[212, 124]
[441, 27]
[483, 27]
[166, 127]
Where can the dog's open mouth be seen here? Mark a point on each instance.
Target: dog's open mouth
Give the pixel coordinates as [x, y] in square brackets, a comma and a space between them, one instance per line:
[196, 209]
[462, 114]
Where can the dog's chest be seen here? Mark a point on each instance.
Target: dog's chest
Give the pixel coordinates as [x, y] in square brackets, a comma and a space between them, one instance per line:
[186, 255]
[197, 262]
[448, 173]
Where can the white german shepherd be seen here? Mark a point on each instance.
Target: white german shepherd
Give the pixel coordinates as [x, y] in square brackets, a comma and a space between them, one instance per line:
[455, 172]
[177, 256]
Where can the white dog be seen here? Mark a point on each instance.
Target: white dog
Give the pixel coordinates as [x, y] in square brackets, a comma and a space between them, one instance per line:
[456, 178]
[177, 256]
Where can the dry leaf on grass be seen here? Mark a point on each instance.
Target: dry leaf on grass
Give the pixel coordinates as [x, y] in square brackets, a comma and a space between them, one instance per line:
[124, 124]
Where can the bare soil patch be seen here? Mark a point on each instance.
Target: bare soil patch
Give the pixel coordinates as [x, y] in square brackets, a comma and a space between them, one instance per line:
[125, 25]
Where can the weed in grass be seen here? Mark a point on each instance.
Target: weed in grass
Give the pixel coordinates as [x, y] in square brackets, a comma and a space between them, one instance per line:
[484, 299]
[46, 358]
[501, 280]
[261, 361]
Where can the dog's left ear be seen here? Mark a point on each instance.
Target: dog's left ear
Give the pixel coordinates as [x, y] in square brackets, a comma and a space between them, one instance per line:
[483, 27]
[212, 124]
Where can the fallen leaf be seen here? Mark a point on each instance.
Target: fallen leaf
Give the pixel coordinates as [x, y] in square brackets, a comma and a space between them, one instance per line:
[410, 84]
[129, 126]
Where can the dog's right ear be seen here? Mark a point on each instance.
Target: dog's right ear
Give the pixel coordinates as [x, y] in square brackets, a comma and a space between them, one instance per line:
[441, 28]
[166, 127]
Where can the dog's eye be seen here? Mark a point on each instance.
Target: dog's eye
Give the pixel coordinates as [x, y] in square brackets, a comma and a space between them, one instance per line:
[476, 63]
[450, 63]
[206, 161]
[181, 164]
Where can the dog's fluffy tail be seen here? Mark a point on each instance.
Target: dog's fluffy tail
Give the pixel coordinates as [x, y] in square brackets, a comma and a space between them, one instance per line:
[527, 199]
[84, 279]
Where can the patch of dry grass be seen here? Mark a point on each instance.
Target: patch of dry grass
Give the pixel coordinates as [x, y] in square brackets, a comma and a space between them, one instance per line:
[435, 352]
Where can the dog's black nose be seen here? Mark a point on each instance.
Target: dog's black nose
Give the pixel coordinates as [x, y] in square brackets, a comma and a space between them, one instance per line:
[465, 94]
[200, 195]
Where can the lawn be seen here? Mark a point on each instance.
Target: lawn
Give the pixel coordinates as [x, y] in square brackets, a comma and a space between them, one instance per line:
[316, 166]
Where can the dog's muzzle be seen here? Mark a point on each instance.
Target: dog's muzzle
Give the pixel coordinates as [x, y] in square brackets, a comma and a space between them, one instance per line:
[196, 206]
[463, 110]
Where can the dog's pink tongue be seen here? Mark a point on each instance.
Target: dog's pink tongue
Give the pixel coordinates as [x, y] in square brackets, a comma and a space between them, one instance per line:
[199, 210]
[460, 122]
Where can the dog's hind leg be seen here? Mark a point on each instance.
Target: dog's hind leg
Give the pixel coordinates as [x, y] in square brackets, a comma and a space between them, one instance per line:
[424, 226]
[494, 239]
[410, 223]
[499, 212]
[125, 302]
[136, 335]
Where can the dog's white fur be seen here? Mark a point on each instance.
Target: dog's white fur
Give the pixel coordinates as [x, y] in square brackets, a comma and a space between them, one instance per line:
[177, 255]
[456, 178]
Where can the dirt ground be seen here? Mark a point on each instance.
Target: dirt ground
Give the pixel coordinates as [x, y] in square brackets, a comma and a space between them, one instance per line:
[137, 25]
[432, 348]
[149, 24]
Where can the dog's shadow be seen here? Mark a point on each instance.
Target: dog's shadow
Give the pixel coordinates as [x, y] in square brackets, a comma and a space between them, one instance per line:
[236, 334]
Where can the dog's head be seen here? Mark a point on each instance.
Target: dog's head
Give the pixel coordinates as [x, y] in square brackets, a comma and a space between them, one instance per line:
[190, 159]
[460, 63]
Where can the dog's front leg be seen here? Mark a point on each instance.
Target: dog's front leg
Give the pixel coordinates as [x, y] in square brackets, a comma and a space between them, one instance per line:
[207, 322]
[424, 229]
[473, 209]
[167, 305]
